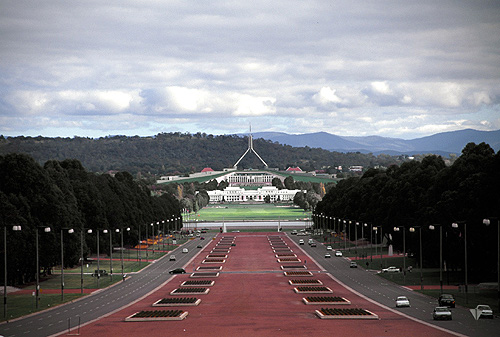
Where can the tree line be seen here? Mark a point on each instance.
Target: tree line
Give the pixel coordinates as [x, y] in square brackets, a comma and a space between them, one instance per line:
[63, 195]
[182, 153]
[422, 193]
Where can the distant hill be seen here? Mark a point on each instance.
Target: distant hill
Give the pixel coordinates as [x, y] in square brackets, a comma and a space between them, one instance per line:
[441, 143]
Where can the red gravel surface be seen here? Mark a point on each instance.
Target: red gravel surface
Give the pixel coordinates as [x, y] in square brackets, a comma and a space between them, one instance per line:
[252, 297]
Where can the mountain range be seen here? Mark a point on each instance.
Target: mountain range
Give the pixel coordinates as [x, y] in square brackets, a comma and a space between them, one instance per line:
[441, 143]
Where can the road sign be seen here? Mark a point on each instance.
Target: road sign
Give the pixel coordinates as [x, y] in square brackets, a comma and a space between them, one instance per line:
[475, 313]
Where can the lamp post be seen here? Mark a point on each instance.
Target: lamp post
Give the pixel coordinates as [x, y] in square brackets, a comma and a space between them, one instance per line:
[363, 237]
[105, 231]
[487, 223]
[37, 289]
[396, 229]
[455, 225]
[356, 224]
[70, 231]
[163, 234]
[121, 251]
[412, 230]
[14, 228]
[432, 227]
[81, 258]
[371, 242]
[98, 259]
[382, 245]
[345, 236]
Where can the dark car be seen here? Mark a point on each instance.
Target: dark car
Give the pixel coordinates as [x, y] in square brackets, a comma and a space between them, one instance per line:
[446, 300]
[177, 271]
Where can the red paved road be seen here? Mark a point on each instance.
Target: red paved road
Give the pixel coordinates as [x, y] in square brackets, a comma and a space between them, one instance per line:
[255, 299]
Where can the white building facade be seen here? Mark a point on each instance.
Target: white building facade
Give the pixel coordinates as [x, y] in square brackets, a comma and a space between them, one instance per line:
[238, 194]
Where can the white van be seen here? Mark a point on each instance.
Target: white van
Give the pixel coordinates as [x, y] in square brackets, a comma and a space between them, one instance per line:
[185, 250]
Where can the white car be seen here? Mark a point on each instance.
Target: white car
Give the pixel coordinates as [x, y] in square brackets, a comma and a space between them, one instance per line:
[329, 248]
[390, 270]
[338, 253]
[172, 258]
[327, 255]
[441, 313]
[484, 311]
[402, 301]
[301, 242]
[185, 250]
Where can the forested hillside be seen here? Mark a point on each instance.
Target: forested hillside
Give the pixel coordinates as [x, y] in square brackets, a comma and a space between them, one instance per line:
[419, 194]
[170, 153]
[64, 195]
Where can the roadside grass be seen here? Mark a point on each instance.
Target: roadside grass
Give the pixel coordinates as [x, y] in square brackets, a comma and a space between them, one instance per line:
[232, 212]
[21, 305]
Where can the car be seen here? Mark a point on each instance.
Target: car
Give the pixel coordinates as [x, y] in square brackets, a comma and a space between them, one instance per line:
[185, 250]
[199, 246]
[313, 244]
[202, 238]
[172, 258]
[310, 241]
[402, 301]
[177, 271]
[327, 255]
[484, 311]
[353, 265]
[338, 253]
[390, 270]
[294, 232]
[301, 242]
[329, 248]
[446, 300]
[441, 313]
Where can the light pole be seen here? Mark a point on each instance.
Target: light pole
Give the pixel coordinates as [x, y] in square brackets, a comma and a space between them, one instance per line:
[487, 223]
[382, 246]
[81, 258]
[70, 231]
[371, 243]
[396, 229]
[455, 225]
[163, 234]
[432, 227]
[121, 250]
[14, 228]
[356, 224]
[345, 236]
[98, 259]
[105, 231]
[412, 230]
[37, 289]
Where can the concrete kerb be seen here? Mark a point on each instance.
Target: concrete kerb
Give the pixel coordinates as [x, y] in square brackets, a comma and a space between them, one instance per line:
[131, 303]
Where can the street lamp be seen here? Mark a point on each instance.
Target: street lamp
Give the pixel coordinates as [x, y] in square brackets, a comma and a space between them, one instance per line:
[81, 258]
[121, 251]
[455, 225]
[14, 228]
[345, 237]
[432, 227]
[412, 230]
[396, 229]
[487, 223]
[70, 231]
[105, 231]
[37, 289]
[356, 237]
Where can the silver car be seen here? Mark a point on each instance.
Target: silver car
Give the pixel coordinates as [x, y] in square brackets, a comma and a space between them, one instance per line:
[402, 301]
[484, 311]
[441, 313]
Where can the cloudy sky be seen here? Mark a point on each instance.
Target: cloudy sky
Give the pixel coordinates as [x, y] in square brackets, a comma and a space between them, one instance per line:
[391, 68]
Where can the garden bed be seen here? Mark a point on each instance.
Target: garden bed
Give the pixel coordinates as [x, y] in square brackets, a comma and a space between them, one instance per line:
[223, 256]
[293, 267]
[335, 313]
[157, 315]
[197, 283]
[202, 274]
[298, 273]
[333, 300]
[312, 290]
[209, 268]
[285, 255]
[184, 291]
[177, 302]
[289, 259]
[305, 282]
[213, 261]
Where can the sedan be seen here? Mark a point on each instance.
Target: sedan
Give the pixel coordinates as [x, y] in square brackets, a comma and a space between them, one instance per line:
[177, 271]
[402, 301]
[390, 270]
[353, 265]
[327, 255]
[441, 313]
[484, 311]
[338, 253]
[446, 300]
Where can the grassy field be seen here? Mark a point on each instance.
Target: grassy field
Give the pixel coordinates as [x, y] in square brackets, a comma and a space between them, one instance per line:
[232, 212]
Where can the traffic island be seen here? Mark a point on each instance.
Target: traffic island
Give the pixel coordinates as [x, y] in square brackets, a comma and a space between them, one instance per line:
[177, 302]
[313, 290]
[335, 313]
[305, 282]
[157, 315]
[184, 291]
[325, 300]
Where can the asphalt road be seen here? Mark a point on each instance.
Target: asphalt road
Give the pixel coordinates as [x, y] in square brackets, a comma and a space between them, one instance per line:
[104, 302]
[384, 292]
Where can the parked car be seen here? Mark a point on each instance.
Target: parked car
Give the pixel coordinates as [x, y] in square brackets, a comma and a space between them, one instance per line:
[327, 255]
[353, 265]
[338, 253]
[446, 300]
[484, 311]
[390, 270]
[301, 242]
[402, 301]
[441, 313]
[172, 258]
[177, 271]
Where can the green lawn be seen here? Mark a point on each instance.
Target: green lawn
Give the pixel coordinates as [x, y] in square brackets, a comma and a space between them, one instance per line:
[232, 212]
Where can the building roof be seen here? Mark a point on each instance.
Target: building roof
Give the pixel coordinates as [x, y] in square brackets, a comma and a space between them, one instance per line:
[294, 169]
[207, 169]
